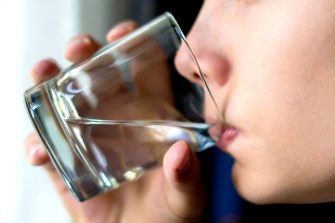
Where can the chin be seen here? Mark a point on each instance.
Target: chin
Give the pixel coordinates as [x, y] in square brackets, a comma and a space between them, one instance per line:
[262, 198]
[255, 197]
[261, 189]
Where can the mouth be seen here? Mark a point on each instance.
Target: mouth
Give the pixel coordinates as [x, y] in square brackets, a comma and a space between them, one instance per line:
[223, 134]
[227, 137]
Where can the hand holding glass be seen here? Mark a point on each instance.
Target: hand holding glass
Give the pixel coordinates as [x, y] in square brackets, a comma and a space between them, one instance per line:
[111, 118]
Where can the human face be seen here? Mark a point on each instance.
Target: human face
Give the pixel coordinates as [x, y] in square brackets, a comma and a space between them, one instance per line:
[271, 67]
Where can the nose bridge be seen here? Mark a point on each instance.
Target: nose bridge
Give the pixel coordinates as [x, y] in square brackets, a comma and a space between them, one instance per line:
[207, 43]
[210, 47]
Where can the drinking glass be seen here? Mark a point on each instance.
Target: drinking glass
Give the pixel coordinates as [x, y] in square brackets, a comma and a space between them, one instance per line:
[111, 118]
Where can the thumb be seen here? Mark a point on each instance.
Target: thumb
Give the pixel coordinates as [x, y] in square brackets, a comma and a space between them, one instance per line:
[185, 191]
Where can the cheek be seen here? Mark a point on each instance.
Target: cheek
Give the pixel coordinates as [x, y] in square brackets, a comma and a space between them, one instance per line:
[287, 125]
[280, 94]
[283, 79]
[283, 100]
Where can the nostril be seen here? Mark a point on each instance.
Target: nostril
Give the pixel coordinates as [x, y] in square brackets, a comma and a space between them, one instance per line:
[187, 67]
[196, 77]
[215, 68]
[213, 65]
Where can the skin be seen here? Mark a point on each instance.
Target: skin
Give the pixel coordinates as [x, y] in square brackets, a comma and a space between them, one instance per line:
[270, 65]
[272, 71]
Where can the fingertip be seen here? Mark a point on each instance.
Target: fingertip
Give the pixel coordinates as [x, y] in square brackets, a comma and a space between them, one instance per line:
[120, 30]
[184, 189]
[178, 161]
[81, 47]
[43, 70]
[35, 152]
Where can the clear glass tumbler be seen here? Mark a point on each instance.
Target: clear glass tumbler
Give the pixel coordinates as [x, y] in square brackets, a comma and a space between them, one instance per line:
[111, 118]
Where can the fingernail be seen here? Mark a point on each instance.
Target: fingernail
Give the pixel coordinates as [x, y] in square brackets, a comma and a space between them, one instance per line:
[80, 41]
[126, 26]
[183, 168]
[122, 29]
[34, 150]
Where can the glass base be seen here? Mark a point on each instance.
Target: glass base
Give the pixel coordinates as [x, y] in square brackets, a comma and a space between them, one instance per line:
[79, 179]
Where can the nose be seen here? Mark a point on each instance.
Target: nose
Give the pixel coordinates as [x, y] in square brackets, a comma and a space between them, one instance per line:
[209, 48]
[213, 63]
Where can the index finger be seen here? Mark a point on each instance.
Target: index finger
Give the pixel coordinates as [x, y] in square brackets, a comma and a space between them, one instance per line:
[43, 70]
[120, 30]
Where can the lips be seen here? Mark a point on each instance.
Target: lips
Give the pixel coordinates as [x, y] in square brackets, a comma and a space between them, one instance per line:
[227, 136]
[223, 134]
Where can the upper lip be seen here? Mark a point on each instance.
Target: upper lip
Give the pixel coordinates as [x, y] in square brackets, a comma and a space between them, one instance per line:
[218, 128]
[216, 132]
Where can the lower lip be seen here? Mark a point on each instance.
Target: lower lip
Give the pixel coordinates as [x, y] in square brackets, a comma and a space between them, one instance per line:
[228, 135]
